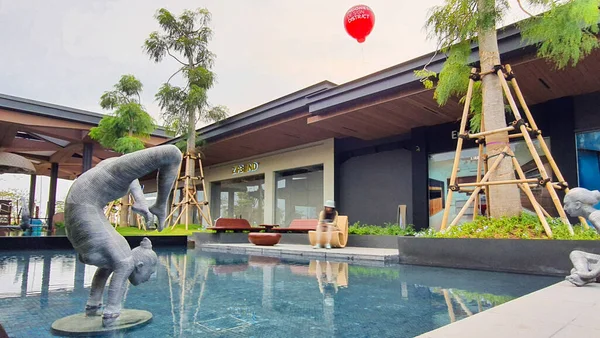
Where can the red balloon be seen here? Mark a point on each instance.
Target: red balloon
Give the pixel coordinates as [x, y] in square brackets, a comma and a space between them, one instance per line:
[359, 22]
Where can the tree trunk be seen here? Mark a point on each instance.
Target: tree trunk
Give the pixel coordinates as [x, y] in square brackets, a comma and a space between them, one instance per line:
[190, 168]
[124, 212]
[505, 200]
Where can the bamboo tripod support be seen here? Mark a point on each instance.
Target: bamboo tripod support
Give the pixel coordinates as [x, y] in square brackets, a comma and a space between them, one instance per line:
[189, 198]
[141, 224]
[524, 128]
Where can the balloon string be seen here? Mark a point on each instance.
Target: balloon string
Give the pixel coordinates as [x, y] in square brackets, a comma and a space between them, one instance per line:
[362, 53]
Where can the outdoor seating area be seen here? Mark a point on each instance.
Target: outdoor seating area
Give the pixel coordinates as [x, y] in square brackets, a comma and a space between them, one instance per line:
[299, 226]
[234, 225]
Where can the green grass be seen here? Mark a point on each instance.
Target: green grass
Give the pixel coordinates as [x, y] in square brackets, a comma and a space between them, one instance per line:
[387, 229]
[179, 230]
[525, 226]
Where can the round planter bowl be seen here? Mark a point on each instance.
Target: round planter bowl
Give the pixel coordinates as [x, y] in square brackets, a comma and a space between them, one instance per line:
[264, 238]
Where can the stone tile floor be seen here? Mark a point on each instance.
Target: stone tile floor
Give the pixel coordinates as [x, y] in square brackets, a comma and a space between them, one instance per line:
[560, 310]
[353, 254]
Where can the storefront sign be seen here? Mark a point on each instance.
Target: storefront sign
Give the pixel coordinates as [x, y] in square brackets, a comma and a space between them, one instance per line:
[244, 168]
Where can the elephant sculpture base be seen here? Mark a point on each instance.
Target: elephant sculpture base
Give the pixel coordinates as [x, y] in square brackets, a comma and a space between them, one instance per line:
[82, 325]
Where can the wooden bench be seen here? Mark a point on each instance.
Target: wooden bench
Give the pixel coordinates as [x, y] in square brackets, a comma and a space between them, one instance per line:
[300, 226]
[235, 225]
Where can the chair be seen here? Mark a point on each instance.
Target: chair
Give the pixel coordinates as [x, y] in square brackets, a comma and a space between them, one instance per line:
[234, 224]
[339, 239]
[299, 226]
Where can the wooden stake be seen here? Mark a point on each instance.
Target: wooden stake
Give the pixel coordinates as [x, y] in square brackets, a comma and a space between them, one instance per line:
[533, 151]
[540, 138]
[532, 199]
[189, 199]
[478, 179]
[477, 189]
[463, 124]
[542, 208]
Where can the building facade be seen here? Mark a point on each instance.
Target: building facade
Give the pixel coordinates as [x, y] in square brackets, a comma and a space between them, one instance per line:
[380, 145]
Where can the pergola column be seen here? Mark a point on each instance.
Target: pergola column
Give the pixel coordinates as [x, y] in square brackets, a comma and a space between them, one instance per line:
[88, 150]
[52, 195]
[32, 182]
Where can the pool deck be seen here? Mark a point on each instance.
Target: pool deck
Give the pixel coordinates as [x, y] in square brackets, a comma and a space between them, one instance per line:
[352, 254]
[560, 310]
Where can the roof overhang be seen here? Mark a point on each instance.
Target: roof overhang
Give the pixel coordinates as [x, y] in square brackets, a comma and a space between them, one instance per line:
[45, 134]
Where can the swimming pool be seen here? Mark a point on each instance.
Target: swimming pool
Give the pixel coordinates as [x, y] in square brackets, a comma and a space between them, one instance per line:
[204, 294]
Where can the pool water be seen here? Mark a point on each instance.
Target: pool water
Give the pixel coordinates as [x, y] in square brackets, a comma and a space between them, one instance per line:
[201, 294]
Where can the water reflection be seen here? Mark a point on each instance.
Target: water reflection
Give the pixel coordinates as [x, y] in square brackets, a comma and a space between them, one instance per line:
[196, 293]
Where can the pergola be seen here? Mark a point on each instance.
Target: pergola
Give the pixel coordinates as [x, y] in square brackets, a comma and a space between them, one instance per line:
[55, 139]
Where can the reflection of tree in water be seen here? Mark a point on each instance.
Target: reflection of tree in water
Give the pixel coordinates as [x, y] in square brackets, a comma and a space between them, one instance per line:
[248, 206]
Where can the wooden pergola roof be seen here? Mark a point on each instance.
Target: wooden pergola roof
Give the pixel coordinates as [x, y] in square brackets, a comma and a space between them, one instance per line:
[45, 133]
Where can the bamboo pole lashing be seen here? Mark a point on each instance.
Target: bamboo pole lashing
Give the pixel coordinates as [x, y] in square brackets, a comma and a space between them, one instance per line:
[189, 197]
[463, 124]
[540, 138]
[478, 179]
[533, 151]
[475, 184]
[491, 132]
[476, 191]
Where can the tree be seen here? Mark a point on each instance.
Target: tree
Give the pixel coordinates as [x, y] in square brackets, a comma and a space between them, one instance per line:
[16, 196]
[564, 33]
[127, 126]
[59, 206]
[185, 40]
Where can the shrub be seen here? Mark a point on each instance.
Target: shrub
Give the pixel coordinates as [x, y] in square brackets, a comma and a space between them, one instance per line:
[387, 229]
[525, 226]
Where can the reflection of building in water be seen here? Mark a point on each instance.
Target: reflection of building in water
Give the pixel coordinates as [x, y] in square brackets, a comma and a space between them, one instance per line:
[32, 275]
[268, 265]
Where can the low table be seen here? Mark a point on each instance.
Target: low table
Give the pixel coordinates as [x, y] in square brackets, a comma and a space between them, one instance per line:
[264, 238]
[269, 227]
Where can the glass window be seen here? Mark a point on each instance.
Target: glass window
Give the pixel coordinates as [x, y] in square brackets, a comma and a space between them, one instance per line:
[440, 169]
[299, 194]
[239, 198]
[588, 160]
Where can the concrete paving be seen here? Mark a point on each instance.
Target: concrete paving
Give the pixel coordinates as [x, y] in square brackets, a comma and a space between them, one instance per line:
[560, 310]
[352, 254]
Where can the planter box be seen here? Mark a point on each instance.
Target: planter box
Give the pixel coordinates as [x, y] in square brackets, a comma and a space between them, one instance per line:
[368, 241]
[385, 242]
[542, 257]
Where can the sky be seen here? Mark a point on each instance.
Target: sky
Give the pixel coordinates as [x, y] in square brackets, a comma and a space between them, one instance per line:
[68, 52]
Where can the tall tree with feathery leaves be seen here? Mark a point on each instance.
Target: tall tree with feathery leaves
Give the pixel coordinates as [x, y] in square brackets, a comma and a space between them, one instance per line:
[185, 39]
[124, 129]
[127, 126]
[565, 33]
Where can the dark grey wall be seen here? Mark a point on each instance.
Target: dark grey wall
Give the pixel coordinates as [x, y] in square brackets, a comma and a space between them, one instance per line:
[374, 185]
[587, 112]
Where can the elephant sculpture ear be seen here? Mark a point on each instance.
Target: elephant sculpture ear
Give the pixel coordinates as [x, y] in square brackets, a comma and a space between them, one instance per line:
[145, 243]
